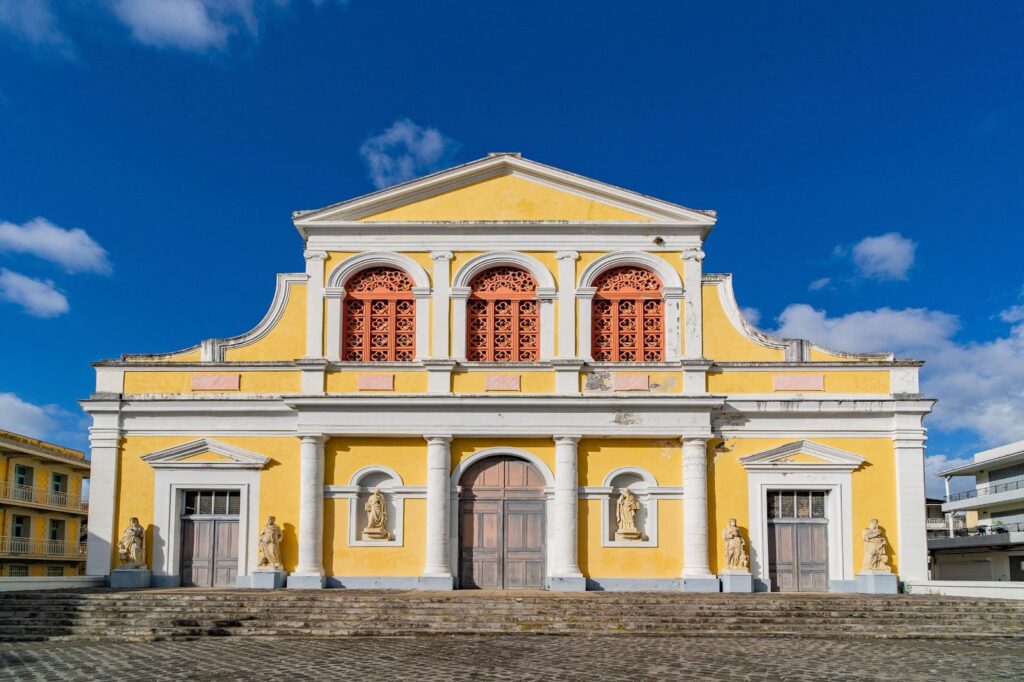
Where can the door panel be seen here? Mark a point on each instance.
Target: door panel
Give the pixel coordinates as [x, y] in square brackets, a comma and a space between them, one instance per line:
[480, 555]
[798, 557]
[782, 557]
[524, 544]
[813, 557]
[225, 563]
[196, 553]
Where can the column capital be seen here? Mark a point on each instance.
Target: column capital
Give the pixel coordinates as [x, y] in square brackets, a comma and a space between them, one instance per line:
[461, 292]
[435, 439]
[701, 440]
[693, 253]
[309, 254]
[441, 255]
[421, 292]
[317, 438]
[567, 255]
[675, 293]
[561, 439]
[586, 292]
[547, 293]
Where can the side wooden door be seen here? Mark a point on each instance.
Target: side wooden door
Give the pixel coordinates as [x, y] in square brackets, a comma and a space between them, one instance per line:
[225, 553]
[798, 557]
[480, 561]
[524, 544]
[196, 553]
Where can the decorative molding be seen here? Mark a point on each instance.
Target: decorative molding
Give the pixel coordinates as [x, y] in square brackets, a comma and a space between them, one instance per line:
[492, 259]
[693, 253]
[779, 459]
[176, 457]
[344, 270]
[668, 276]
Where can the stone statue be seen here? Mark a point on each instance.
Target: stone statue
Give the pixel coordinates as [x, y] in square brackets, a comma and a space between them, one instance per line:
[625, 515]
[131, 548]
[736, 560]
[268, 548]
[376, 517]
[875, 558]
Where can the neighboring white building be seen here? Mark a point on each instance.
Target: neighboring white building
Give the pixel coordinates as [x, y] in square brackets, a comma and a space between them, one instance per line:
[991, 545]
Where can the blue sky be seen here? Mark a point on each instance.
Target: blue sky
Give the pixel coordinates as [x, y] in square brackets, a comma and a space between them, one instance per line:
[865, 161]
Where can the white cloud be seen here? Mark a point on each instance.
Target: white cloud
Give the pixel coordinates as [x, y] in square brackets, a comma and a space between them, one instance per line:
[33, 22]
[45, 422]
[980, 385]
[72, 249]
[1013, 314]
[404, 151]
[185, 24]
[752, 315]
[819, 283]
[935, 486]
[39, 298]
[888, 256]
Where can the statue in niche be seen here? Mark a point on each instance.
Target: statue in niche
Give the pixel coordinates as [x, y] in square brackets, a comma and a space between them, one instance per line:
[625, 515]
[268, 547]
[736, 560]
[376, 508]
[875, 558]
[131, 548]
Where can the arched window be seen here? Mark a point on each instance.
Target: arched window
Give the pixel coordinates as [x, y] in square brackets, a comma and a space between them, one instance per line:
[380, 317]
[502, 317]
[628, 316]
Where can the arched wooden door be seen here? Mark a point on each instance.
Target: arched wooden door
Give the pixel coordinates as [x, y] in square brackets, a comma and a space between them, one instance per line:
[501, 526]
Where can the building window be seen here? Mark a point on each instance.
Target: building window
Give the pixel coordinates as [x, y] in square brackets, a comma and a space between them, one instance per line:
[17, 571]
[212, 503]
[628, 317]
[796, 504]
[21, 526]
[502, 317]
[54, 571]
[58, 483]
[56, 530]
[380, 317]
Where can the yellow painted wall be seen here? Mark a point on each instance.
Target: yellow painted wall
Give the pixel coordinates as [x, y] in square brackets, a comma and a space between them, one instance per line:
[725, 343]
[506, 197]
[544, 448]
[343, 457]
[835, 382]
[287, 340]
[390, 561]
[347, 381]
[874, 490]
[181, 382]
[529, 382]
[659, 382]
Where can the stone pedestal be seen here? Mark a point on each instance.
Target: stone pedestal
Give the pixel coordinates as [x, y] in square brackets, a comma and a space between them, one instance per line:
[305, 581]
[567, 583]
[435, 582]
[702, 584]
[877, 583]
[267, 579]
[130, 578]
[628, 536]
[737, 582]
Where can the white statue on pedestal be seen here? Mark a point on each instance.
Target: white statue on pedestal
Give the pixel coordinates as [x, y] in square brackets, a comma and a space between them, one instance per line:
[376, 508]
[268, 548]
[625, 515]
[875, 558]
[736, 560]
[131, 548]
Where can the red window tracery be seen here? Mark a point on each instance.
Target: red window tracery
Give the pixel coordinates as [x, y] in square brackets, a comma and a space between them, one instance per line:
[628, 316]
[502, 317]
[380, 317]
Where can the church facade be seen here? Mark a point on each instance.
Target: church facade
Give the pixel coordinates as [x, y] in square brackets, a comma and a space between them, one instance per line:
[504, 375]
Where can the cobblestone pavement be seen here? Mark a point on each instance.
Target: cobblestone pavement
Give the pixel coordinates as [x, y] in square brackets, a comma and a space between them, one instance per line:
[516, 657]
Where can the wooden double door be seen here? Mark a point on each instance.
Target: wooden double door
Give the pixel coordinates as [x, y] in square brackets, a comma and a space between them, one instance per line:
[798, 555]
[209, 539]
[501, 526]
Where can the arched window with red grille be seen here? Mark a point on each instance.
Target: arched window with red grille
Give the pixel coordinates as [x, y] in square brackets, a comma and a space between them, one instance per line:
[380, 317]
[628, 316]
[503, 324]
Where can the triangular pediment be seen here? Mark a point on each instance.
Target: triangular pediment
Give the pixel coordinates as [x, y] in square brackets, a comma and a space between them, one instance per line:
[205, 453]
[802, 455]
[504, 188]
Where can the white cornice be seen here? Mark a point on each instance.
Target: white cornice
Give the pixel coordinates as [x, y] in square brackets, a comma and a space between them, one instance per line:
[177, 457]
[779, 459]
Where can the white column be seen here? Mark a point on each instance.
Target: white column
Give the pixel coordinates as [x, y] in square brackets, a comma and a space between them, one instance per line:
[335, 297]
[104, 445]
[912, 537]
[442, 303]
[437, 570]
[949, 515]
[310, 571]
[566, 573]
[546, 300]
[585, 296]
[315, 303]
[673, 330]
[459, 296]
[696, 570]
[693, 334]
[567, 303]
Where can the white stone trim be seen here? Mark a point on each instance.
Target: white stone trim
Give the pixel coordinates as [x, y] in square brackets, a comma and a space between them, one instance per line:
[440, 346]
[693, 323]
[668, 276]
[585, 302]
[438, 561]
[104, 445]
[212, 350]
[311, 506]
[396, 504]
[314, 302]
[777, 459]
[695, 509]
[176, 457]
[647, 495]
[491, 259]
[567, 303]
[911, 540]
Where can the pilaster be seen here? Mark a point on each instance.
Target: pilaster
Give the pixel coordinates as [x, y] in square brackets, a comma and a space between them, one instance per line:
[315, 303]
[440, 346]
[693, 317]
[459, 297]
[585, 296]
[912, 537]
[567, 304]
[104, 447]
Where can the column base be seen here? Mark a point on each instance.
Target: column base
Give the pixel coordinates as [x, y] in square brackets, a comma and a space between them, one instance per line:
[265, 580]
[708, 583]
[737, 582]
[305, 581]
[877, 583]
[567, 583]
[130, 578]
[435, 582]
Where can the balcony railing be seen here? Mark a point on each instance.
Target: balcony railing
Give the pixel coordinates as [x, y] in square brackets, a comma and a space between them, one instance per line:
[987, 490]
[43, 549]
[11, 492]
[980, 530]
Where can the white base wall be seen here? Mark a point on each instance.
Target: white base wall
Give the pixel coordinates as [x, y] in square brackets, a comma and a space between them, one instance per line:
[966, 588]
[71, 582]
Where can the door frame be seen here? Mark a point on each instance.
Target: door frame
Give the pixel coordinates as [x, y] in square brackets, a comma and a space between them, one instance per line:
[549, 503]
